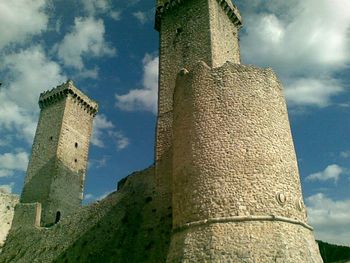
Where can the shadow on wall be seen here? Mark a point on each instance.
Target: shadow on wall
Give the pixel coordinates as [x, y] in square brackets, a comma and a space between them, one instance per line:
[134, 230]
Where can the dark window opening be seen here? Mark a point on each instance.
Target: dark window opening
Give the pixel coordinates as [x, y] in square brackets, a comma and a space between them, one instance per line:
[178, 30]
[58, 217]
[76, 160]
[51, 138]
[76, 145]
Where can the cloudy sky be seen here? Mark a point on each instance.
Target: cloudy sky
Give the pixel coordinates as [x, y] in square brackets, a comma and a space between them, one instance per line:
[110, 50]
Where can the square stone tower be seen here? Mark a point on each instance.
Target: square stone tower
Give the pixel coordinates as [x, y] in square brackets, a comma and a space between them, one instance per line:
[56, 171]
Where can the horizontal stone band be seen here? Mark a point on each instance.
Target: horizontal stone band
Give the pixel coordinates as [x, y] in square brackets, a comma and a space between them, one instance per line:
[234, 219]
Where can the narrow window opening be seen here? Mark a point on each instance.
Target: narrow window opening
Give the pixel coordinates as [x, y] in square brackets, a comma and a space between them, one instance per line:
[51, 138]
[178, 30]
[58, 217]
[76, 145]
[75, 160]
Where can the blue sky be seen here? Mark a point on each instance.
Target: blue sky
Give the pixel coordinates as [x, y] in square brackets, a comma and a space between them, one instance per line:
[110, 50]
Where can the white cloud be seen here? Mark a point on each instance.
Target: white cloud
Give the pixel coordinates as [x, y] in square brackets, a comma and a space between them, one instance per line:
[310, 91]
[116, 15]
[310, 33]
[28, 72]
[302, 40]
[98, 163]
[6, 188]
[104, 127]
[6, 173]
[142, 17]
[145, 98]
[97, 7]
[20, 20]
[345, 154]
[14, 161]
[121, 141]
[86, 40]
[330, 218]
[101, 123]
[332, 172]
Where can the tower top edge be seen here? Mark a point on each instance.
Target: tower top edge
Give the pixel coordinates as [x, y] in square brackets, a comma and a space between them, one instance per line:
[67, 88]
[227, 5]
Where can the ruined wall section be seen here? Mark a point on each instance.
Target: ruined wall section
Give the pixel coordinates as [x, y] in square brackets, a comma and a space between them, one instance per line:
[126, 226]
[235, 165]
[7, 206]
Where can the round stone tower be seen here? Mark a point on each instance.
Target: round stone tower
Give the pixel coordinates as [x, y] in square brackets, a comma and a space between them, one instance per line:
[225, 157]
[236, 188]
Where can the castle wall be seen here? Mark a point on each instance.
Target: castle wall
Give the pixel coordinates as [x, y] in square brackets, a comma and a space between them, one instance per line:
[254, 241]
[127, 226]
[190, 31]
[7, 205]
[234, 160]
[184, 39]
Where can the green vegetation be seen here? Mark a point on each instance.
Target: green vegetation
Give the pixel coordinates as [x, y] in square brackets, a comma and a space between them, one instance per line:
[334, 253]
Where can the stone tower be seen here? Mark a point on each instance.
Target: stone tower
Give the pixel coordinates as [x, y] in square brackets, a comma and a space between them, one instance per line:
[190, 31]
[56, 171]
[223, 133]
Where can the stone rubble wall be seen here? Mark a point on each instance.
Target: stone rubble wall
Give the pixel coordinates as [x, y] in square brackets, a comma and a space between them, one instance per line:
[7, 206]
[252, 242]
[130, 225]
[189, 31]
[192, 31]
[234, 160]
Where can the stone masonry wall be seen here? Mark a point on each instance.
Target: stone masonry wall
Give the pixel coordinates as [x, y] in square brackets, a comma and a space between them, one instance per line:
[129, 225]
[46, 139]
[234, 161]
[66, 190]
[253, 242]
[192, 31]
[56, 171]
[7, 205]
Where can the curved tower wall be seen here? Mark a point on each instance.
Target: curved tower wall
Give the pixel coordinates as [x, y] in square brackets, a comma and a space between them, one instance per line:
[236, 187]
[189, 31]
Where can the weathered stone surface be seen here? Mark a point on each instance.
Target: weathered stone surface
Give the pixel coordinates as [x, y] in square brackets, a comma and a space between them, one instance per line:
[225, 187]
[130, 225]
[7, 206]
[56, 171]
[194, 30]
[235, 174]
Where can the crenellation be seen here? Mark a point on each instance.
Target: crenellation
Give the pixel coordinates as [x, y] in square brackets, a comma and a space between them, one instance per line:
[167, 6]
[67, 89]
[56, 171]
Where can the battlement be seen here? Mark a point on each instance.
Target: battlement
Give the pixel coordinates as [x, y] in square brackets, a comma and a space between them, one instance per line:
[62, 91]
[227, 5]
